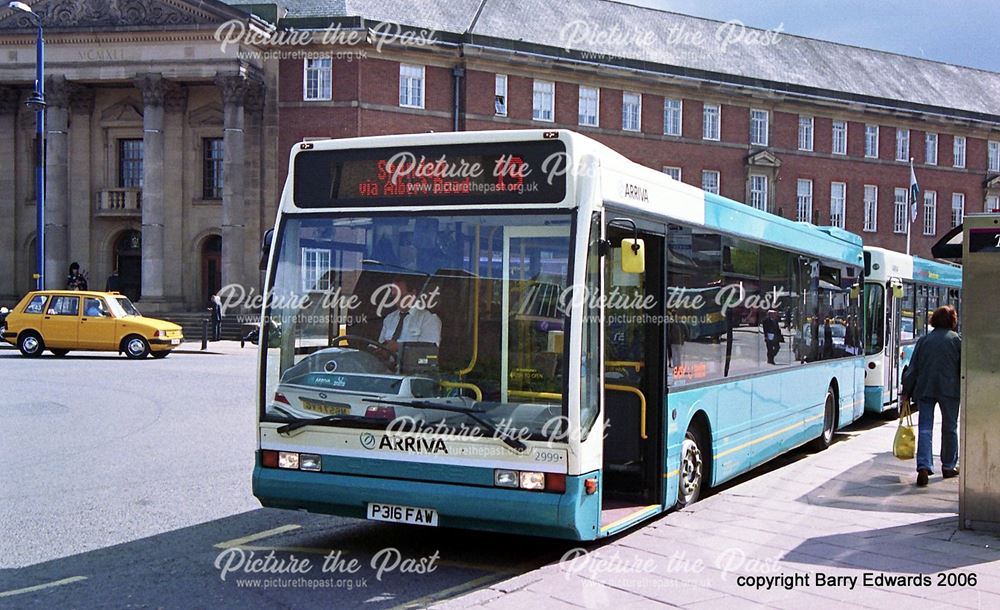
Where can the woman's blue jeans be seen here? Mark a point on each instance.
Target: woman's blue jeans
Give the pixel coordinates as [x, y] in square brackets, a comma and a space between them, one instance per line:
[949, 433]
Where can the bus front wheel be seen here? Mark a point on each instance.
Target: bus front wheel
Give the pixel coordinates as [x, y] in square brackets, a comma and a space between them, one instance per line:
[825, 439]
[692, 472]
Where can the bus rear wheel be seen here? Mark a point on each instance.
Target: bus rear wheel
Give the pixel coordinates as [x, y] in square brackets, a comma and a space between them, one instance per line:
[692, 471]
[825, 439]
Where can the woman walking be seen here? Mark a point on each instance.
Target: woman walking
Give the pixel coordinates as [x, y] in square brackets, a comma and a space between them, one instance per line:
[933, 378]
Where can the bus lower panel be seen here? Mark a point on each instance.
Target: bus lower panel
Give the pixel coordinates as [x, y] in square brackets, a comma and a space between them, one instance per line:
[572, 515]
[874, 399]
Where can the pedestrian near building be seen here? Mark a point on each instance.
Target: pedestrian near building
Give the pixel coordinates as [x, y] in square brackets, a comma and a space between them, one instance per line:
[114, 282]
[933, 378]
[216, 309]
[76, 279]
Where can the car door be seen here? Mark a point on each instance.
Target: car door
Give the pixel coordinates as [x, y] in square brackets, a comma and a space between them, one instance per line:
[61, 321]
[97, 325]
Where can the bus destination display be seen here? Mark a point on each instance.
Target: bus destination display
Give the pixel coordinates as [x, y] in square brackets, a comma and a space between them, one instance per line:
[501, 173]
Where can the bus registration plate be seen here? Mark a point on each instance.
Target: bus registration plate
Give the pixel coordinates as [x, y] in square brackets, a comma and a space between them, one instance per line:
[402, 514]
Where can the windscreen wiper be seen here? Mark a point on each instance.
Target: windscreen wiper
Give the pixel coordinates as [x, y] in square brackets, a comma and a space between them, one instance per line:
[327, 419]
[473, 414]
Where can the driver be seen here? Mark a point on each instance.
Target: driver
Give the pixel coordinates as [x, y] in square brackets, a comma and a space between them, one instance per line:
[410, 322]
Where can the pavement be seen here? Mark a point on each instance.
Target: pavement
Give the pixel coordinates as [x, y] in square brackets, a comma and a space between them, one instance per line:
[844, 528]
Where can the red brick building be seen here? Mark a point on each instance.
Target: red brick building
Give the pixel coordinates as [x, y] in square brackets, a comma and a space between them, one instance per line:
[623, 74]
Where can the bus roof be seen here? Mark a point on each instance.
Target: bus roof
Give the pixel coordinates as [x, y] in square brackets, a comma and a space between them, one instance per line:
[627, 183]
[894, 264]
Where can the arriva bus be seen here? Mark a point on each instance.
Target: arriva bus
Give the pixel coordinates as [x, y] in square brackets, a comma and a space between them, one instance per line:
[523, 331]
[901, 292]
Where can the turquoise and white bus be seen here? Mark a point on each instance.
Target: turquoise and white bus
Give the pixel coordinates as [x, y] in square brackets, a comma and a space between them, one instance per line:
[584, 344]
[901, 292]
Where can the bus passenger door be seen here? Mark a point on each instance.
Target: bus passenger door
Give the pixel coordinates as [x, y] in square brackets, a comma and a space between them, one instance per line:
[891, 359]
[634, 381]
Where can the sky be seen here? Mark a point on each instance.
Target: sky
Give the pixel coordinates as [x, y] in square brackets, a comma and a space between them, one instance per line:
[963, 32]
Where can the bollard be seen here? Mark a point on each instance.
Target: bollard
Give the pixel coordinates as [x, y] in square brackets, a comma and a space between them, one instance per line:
[204, 334]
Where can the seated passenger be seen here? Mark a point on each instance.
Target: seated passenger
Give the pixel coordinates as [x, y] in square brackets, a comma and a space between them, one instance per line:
[94, 309]
[410, 322]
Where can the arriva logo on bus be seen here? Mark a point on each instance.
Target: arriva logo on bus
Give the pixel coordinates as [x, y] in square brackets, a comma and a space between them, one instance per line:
[408, 444]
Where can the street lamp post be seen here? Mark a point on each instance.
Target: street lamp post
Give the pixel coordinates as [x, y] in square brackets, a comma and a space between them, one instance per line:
[36, 102]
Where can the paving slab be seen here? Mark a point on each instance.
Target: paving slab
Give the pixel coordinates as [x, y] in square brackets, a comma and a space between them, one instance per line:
[779, 537]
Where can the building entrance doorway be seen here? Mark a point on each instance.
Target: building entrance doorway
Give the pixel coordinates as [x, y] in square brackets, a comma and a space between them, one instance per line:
[211, 267]
[128, 260]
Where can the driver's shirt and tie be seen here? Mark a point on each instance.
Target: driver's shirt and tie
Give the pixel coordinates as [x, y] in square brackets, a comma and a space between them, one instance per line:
[413, 326]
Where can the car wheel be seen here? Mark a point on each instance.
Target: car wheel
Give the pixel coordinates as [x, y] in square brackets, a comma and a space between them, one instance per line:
[692, 472]
[59, 353]
[30, 344]
[161, 354]
[135, 347]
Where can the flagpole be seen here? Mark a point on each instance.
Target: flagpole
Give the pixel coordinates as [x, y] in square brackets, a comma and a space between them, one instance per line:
[911, 198]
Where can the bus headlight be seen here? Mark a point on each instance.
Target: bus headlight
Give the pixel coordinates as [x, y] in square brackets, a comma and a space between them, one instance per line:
[309, 461]
[288, 459]
[505, 478]
[533, 480]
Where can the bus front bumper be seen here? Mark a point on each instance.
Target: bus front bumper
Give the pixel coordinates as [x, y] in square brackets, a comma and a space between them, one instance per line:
[571, 515]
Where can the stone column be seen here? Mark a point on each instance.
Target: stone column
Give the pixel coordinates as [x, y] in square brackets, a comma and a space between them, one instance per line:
[153, 88]
[81, 107]
[176, 199]
[57, 93]
[10, 101]
[233, 87]
[254, 114]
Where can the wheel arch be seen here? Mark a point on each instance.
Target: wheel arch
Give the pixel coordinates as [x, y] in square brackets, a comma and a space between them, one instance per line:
[700, 422]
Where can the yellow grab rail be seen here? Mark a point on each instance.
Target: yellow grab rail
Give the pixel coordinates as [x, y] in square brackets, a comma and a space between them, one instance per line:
[642, 404]
[528, 394]
[464, 386]
[629, 363]
[607, 386]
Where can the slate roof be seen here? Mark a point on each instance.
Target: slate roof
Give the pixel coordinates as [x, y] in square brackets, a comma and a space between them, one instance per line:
[794, 63]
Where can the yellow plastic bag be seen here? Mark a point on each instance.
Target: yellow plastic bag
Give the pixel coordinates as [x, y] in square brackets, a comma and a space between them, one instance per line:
[904, 446]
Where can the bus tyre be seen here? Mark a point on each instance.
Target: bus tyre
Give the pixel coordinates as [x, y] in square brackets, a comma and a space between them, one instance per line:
[890, 414]
[135, 347]
[692, 472]
[30, 344]
[825, 439]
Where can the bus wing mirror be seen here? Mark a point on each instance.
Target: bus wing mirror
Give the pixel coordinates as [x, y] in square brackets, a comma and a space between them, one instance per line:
[897, 291]
[265, 249]
[855, 291]
[633, 256]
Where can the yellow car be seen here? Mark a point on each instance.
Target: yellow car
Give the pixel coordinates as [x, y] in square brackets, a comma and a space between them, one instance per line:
[64, 320]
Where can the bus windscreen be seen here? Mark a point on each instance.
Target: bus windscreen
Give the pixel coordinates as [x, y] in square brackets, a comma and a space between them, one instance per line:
[500, 172]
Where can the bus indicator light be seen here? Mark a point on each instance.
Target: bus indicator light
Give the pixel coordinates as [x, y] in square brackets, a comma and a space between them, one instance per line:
[555, 482]
[590, 486]
[269, 458]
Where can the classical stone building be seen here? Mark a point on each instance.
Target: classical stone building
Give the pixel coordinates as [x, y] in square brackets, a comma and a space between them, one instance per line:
[157, 143]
